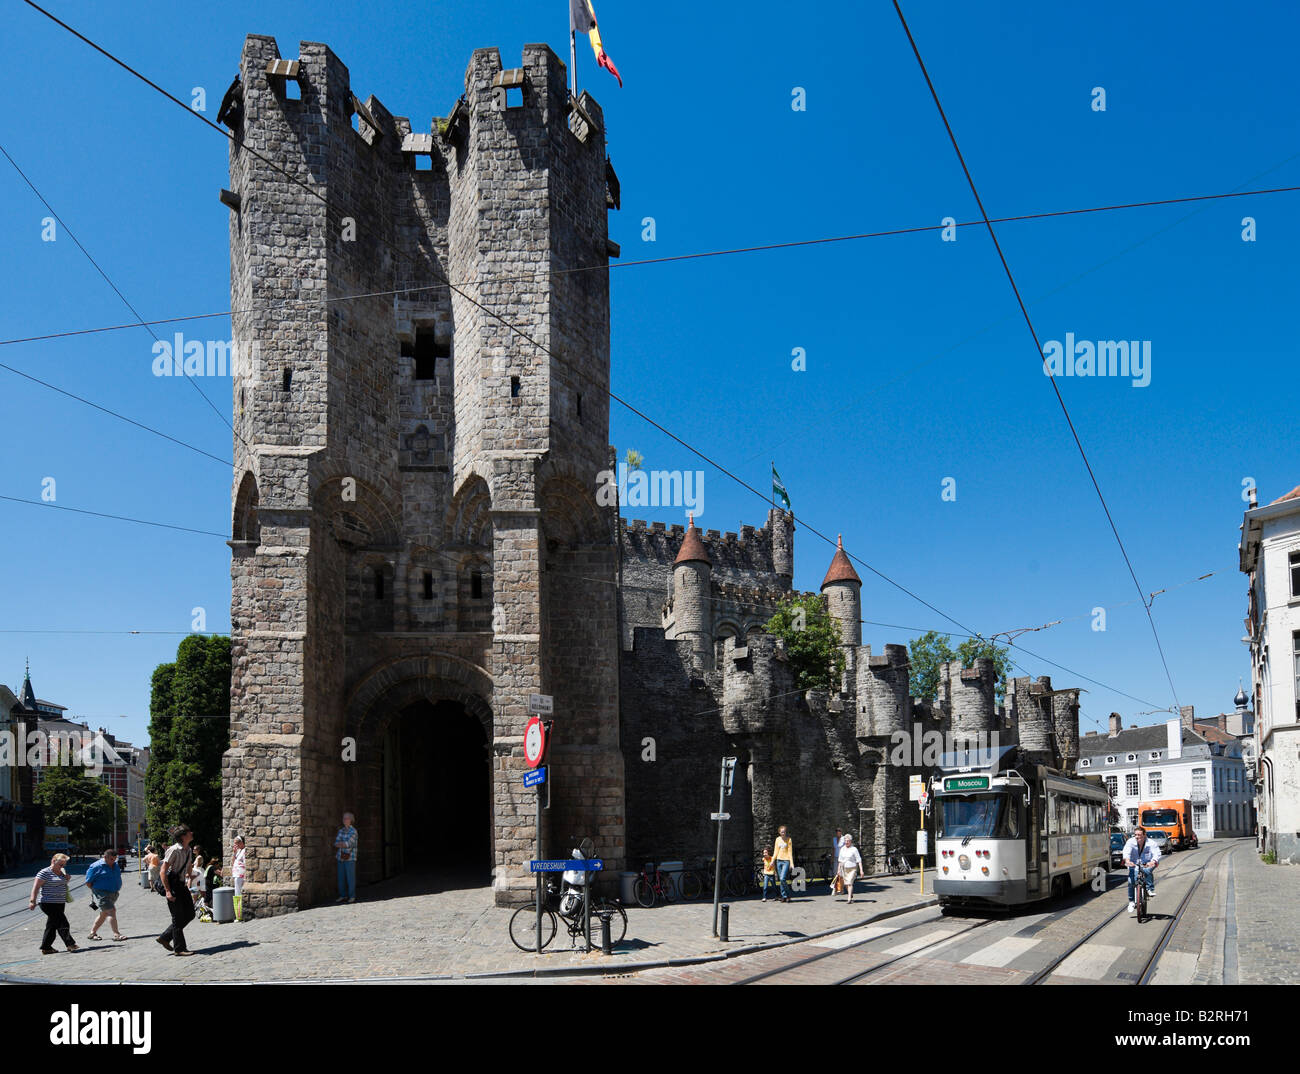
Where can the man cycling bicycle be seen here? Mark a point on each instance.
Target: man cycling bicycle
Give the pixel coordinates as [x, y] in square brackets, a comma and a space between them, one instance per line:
[1139, 854]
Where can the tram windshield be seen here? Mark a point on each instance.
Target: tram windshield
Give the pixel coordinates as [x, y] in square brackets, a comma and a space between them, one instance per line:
[979, 816]
[1160, 817]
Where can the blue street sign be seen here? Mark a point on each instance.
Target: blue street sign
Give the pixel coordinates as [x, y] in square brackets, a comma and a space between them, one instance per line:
[536, 776]
[561, 865]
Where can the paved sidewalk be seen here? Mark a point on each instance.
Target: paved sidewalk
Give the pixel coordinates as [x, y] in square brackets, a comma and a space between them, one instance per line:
[396, 933]
[1265, 909]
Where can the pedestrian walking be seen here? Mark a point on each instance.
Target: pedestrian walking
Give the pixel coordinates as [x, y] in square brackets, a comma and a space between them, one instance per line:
[784, 854]
[104, 880]
[238, 869]
[345, 854]
[151, 862]
[769, 871]
[50, 892]
[836, 843]
[850, 864]
[175, 872]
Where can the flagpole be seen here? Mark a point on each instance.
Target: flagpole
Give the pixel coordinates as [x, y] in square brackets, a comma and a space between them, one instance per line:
[573, 60]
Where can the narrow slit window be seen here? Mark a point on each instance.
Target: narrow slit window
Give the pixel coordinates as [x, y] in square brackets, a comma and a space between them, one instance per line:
[580, 406]
[379, 583]
[514, 387]
[476, 585]
[428, 585]
[286, 379]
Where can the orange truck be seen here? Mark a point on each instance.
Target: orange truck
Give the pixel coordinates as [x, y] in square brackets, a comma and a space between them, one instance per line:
[1173, 816]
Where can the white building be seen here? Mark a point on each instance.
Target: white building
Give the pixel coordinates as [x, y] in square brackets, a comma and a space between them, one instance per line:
[1270, 557]
[1137, 766]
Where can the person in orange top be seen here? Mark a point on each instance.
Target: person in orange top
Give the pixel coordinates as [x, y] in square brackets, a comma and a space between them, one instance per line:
[784, 861]
[769, 871]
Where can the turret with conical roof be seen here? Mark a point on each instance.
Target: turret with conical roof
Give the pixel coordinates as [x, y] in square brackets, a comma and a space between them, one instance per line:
[843, 591]
[691, 614]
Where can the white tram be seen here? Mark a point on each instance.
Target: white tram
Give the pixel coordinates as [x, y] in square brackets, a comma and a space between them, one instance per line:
[1008, 832]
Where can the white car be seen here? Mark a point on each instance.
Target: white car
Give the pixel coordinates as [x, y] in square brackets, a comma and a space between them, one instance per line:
[1160, 841]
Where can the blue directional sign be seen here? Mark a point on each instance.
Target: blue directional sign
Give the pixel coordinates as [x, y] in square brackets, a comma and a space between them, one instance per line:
[560, 865]
[536, 776]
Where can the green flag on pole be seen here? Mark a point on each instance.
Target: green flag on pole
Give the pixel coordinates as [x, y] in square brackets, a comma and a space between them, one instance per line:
[778, 489]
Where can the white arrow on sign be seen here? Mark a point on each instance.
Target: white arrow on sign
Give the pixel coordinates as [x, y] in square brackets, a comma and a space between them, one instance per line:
[541, 704]
[719, 816]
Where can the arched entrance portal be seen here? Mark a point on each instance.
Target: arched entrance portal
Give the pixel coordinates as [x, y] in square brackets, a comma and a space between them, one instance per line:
[437, 808]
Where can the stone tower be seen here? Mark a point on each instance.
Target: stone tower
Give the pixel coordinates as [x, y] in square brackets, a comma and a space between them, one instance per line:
[690, 614]
[842, 589]
[417, 543]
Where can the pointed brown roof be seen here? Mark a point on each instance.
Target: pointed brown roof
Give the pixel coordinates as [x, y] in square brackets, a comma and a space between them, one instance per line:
[1292, 495]
[841, 570]
[692, 549]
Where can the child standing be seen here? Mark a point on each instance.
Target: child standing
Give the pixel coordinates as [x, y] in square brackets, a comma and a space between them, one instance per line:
[769, 870]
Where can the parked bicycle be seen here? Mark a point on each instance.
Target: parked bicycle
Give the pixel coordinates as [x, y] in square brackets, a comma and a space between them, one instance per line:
[567, 901]
[652, 886]
[897, 862]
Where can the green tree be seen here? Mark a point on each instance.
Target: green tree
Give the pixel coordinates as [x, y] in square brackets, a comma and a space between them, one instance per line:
[933, 649]
[812, 641]
[72, 799]
[189, 730]
[928, 652]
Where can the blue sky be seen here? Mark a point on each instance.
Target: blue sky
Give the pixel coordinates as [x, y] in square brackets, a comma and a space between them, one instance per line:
[919, 367]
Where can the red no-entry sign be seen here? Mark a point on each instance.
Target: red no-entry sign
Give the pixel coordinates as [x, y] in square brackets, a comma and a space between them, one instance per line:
[534, 742]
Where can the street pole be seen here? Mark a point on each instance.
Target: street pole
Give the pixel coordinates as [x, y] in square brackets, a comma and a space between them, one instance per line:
[724, 789]
[717, 860]
[540, 876]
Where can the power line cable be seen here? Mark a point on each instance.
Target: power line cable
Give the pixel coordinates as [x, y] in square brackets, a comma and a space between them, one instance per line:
[677, 257]
[107, 279]
[1037, 345]
[523, 335]
[119, 518]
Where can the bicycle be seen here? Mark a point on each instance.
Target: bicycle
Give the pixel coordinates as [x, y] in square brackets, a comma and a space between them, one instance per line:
[897, 863]
[1140, 890]
[651, 886]
[571, 907]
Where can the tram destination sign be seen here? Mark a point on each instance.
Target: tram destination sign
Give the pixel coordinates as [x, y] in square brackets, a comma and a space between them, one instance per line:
[966, 783]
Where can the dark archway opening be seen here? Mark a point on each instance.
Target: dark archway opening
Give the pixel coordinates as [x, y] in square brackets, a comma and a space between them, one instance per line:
[438, 798]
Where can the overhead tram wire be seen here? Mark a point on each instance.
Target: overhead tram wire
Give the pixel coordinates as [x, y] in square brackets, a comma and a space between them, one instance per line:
[671, 258]
[108, 279]
[119, 518]
[1038, 346]
[491, 313]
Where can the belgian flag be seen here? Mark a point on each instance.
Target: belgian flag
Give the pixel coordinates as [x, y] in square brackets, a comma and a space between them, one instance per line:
[582, 19]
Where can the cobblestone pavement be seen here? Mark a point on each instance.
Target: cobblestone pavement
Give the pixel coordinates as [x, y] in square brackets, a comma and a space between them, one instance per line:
[1264, 902]
[395, 932]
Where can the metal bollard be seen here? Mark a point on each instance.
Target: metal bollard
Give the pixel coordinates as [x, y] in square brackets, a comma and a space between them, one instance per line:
[606, 943]
[722, 928]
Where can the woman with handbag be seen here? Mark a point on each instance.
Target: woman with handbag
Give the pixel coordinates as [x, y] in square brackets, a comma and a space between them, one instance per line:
[51, 890]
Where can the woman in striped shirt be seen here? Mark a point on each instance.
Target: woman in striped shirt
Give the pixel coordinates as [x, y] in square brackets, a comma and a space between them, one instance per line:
[50, 890]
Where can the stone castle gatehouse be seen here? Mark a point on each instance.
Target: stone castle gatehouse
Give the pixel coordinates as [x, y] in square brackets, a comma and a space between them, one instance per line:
[421, 415]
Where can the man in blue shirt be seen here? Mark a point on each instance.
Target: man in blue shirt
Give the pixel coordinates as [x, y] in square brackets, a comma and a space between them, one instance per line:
[1139, 855]
[104, 880]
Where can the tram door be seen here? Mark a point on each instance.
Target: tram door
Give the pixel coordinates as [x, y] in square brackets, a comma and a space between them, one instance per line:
[1033, 845]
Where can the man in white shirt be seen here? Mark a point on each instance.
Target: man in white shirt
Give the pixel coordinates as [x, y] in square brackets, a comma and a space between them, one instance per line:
[1141, 856]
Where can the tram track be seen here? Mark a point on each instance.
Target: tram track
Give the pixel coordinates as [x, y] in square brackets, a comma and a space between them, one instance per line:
[1149, 965]
[891, 934]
